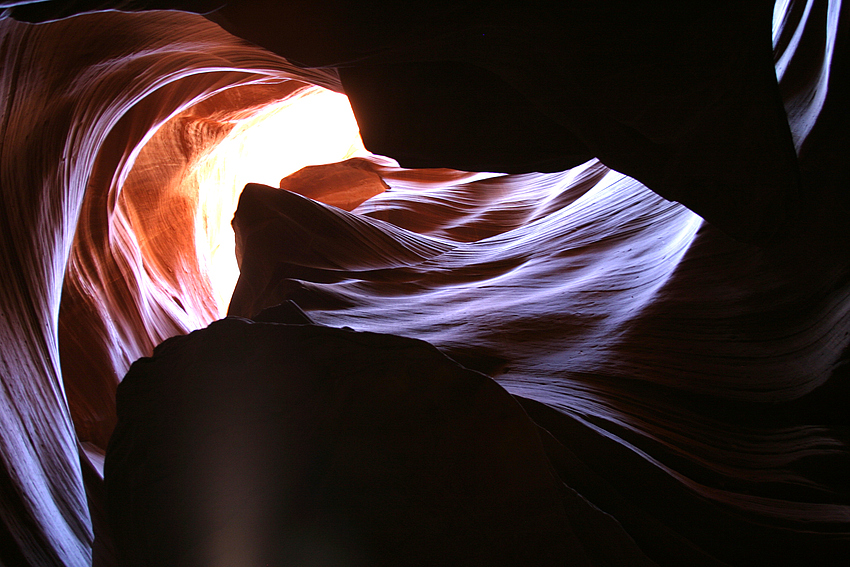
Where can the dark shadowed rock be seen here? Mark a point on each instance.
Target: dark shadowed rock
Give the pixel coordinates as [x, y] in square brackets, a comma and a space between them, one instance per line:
[256, 443]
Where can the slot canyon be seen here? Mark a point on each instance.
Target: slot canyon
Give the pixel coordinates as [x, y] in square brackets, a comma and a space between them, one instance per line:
[424, 283]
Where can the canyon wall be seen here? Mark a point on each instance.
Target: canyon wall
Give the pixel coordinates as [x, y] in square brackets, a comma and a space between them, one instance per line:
[687, 384]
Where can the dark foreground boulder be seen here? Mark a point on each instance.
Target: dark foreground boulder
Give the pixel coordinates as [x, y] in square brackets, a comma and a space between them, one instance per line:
[270, 444]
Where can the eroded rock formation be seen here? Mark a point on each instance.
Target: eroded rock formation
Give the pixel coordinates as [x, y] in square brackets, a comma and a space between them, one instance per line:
[690, 387]
[278, 444]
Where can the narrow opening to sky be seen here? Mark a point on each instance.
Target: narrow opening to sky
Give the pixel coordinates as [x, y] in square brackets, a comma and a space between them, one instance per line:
[312, 127]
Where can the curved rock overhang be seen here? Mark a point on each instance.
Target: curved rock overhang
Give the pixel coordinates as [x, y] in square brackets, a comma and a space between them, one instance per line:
[638, 336]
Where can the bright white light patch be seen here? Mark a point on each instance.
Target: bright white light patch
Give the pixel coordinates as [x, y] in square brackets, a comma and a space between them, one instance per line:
[313, 127]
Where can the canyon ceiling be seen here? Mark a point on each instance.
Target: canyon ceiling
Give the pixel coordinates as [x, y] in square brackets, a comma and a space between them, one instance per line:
[587, 300]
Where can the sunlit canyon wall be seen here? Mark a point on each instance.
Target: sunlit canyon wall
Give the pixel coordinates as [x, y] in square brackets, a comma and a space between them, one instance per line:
[688, 388]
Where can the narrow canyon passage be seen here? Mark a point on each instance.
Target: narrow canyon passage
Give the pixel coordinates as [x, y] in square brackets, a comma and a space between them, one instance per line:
[672, 376]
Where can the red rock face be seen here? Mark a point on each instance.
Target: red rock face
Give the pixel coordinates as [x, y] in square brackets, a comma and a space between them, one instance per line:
[691, 387]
